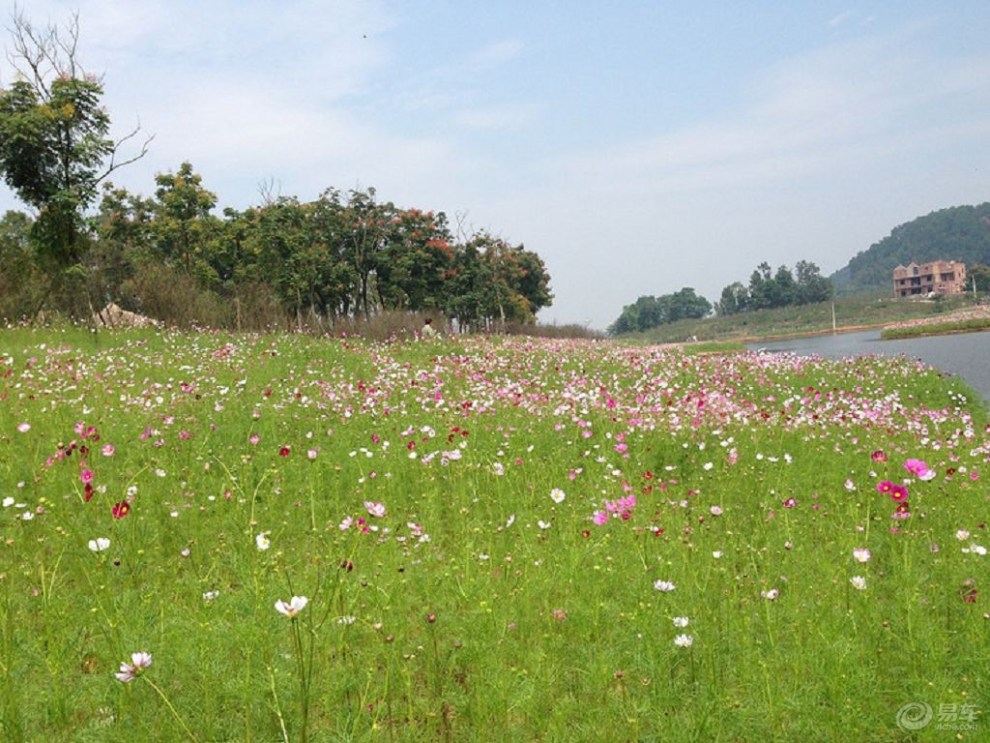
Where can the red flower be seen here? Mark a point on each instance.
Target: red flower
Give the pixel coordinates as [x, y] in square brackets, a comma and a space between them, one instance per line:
[88, 492]
[284, 451]
[121, 509]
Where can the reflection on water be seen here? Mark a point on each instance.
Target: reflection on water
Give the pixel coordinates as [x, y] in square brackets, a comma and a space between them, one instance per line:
[963, 354]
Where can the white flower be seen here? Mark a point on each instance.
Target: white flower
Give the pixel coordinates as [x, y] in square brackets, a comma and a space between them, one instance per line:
[375, 508]
[27, 515]
[263, 541]
[680, 622]
[715, 510]
[770, 595]
[962, 535]
[858, 582]
[210, 595]
[717, 554]
[861, 554]
[8, 502]
[684, 641]
[543, 524]
[99, 544]
[665, 586]
[557, 495]
[24, 427]
[510, 521]
[296, 604]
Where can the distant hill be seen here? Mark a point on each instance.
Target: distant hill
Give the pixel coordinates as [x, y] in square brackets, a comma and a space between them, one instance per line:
[959, 233]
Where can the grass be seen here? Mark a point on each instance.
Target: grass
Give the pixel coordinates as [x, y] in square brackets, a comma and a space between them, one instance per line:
[436, 504]
[853, 312]
[973, 325]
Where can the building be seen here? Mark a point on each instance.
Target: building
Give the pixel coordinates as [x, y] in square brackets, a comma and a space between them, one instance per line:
[936, 277]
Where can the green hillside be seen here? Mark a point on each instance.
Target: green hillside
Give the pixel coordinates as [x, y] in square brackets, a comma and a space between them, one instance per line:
[960, 233]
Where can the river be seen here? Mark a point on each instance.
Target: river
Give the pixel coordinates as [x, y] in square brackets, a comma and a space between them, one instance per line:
[966, 355]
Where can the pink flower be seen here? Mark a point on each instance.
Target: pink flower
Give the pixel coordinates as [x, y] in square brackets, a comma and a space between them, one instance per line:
[120, 509]
[86, 476]
[375, 508]
[879, 456]
[24, 427]
[919, 469]
[108, 450]
[600, 518]
[129, 671]
[885, 487]
[254, 439]
[862, 554]
[898, 493]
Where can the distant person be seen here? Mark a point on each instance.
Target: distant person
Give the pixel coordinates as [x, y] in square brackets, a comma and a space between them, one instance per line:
[428, 330]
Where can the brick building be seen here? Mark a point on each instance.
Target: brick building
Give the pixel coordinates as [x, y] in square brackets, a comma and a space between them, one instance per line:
[936, 277]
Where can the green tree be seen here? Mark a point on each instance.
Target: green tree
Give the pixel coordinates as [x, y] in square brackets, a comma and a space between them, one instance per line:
[183, 224]
[734, 299]
[55, 146]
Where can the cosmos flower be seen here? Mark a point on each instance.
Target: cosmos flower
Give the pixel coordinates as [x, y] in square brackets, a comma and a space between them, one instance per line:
[664, 586]
[296, 604]
[681, 622]
[375, 508]
[557, 495]
[262, 541]
[861, 554]
[129, 671]
[99, 544]
[684, 641]
[858, 582]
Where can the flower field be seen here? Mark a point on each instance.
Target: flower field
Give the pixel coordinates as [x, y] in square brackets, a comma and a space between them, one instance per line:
[218, 537]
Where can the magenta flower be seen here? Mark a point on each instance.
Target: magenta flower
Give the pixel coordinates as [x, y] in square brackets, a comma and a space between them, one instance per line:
[885, 487]
[86, 476]
[898, 493]
[919, 469]
[879, 456]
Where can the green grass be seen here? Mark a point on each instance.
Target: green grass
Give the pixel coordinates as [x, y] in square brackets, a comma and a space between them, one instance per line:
[850, 312]
[974, 325]
[486, 603]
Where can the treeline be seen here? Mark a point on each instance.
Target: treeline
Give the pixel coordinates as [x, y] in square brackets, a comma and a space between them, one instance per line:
[767, 289]
[340, 256]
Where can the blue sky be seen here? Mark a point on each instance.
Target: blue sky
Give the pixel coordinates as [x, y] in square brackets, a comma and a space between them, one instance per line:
[637, 147]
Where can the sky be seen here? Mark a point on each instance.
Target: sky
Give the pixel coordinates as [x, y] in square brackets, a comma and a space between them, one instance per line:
[638, 147]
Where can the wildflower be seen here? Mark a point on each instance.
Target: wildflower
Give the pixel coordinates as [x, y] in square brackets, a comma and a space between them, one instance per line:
[717, 554]
[850, 485]
[510, 521]
[557, 495]
[858, 582]
[24, 427]
[790, 503]
[919, 469]
[8, 501]
[99, 544]
[715, 510]
[885, 487]
[543, 524]
[313, 454]
[962, 535]
[375, 508]
[879, 456]
[684, 641]
[284, 451]
[898, 493]
[129, 671]
[680, 622]
[210, 595]
[108, 450]
[862, 554]
[254, 439]
[600, 518]
[664, 586]
[263, 541]
[86, 476]
[120, 509]
[296, 604]
[770, 595]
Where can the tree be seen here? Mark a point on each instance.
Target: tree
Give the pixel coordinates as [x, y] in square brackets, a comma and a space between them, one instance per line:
[183, 223]
[812, 287]
[55, 146]
[735, 299]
